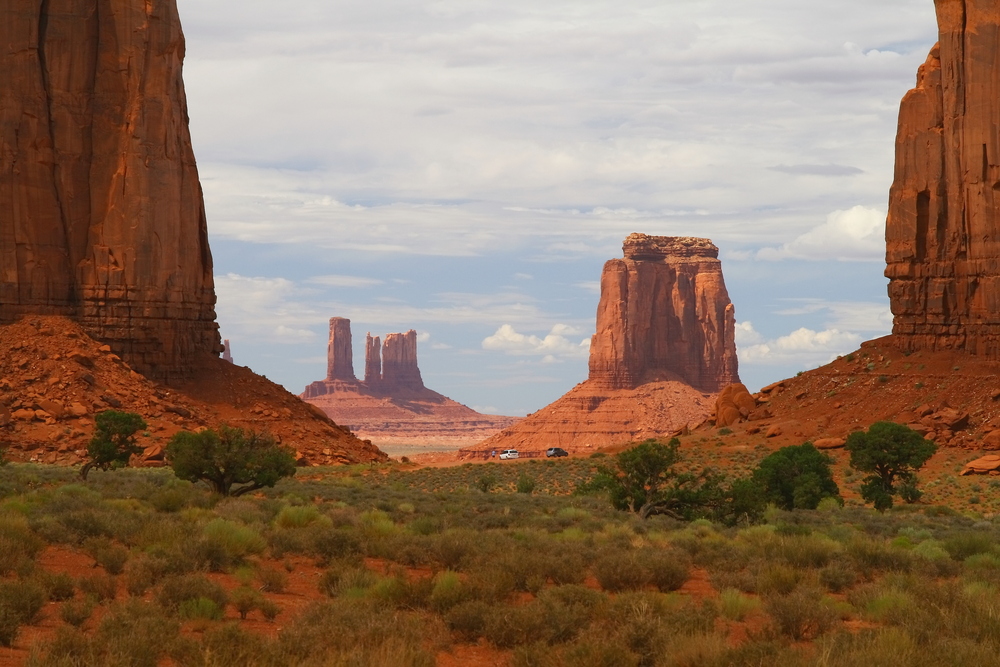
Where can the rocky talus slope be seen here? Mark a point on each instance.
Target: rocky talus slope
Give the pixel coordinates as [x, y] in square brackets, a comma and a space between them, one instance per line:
[54, 378]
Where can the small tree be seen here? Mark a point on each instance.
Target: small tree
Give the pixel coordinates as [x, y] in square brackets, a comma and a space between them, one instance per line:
[230, 457]
[113, 443]
[796, 477]
[644, 481]
[891, 454]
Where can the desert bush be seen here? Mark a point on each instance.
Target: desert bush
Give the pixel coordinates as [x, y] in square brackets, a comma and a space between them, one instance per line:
[244, 600]
[22, 600]
[525, 484]
[448, 591]
[101, 586]
[620, 571]
[17, 542]
[667, 569]
[340, 578]
[175, 590]
[963, 545]
[838, 577]
[60, 586]
[777, 579]
[141, 574]
[735, 605]
[225, 543]
[570, 610]
[299, 516]
[871, 557]
[272, 580]
[77, 611]
[509, 626]
[807, 551]
[268, 609]
[803, 614]
[334, 543]
[200, 608]
[112, 557]
[468, 619]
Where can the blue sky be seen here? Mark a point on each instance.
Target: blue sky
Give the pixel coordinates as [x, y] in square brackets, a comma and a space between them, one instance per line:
[465, 169]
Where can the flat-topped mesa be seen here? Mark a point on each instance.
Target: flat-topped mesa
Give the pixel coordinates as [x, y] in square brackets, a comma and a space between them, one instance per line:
[101, 211]
[943, 228]
[399, 362]
[645, 247]
[664, 314]
[373, 361]
[339, 352]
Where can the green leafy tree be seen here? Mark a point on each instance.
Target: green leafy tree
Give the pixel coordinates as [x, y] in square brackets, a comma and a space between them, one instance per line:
[232, 460]
[796, 477]
[644, 481]
[891, 454]
[113, 442]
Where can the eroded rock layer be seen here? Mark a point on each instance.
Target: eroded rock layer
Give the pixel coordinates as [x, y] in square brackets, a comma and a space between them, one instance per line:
[392, 405]
[943, 228]
[101, 211]
[664, 312]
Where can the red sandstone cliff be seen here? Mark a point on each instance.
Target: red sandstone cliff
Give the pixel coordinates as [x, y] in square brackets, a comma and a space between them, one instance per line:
[392, 405]
[665, 343]
[101, 212]
[664, 311]
[943, 228]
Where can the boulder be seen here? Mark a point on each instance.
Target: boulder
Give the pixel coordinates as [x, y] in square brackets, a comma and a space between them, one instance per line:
[829, 443]
[982, 465]
[734, 404]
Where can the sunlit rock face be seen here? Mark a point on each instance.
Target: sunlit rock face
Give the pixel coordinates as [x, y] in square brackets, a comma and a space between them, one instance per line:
[101, 210]
[943, 228]
[664, 314]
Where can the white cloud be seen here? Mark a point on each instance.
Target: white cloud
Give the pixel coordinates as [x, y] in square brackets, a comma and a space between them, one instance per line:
[857, 234]
[344, 281]
[800, 346]
[746, 335]
[552, 347]
[859, 316]
[423, 337]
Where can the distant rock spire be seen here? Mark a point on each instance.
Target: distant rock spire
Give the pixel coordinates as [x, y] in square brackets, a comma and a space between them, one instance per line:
[339, 351]
[373, 361]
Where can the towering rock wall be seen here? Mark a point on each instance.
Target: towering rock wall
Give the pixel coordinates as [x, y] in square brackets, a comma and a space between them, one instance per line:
[943, 228]
[339, 353]
[373, 361]
[399, 363]
[664, 311]
[101, 211]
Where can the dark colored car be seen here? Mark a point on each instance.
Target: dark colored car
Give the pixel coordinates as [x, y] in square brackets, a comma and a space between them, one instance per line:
[556, 451]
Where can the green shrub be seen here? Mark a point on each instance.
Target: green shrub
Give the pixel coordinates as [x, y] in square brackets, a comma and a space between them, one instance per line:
[141, 574]
[735, 605]
[60, 586]
[200, 608]
[176, 590]
[245, 599]
[112, 557]
[272, 580]
[298, 516]
[25, 598]
[666, 570]
[963, 545]
[225, 543]
[17, 542]
[448, 591]
[268, 609]
[838, 577]
[777, 579]
[508, 626]
[525, 484]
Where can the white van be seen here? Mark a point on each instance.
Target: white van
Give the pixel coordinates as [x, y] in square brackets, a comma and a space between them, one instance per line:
[508, 454]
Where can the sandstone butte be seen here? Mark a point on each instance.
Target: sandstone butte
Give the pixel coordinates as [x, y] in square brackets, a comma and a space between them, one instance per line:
[938, 371]
[392, 405]
[664, 346]
[102, 226]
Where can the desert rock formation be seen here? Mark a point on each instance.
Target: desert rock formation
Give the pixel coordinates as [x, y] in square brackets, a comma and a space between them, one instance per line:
[101, 211]
[392, 405]
[664, 313]
[54, 378]
[943, 228]
[665, 344]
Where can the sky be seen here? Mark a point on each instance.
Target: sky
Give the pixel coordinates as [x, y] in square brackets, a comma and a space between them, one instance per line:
[465, 168]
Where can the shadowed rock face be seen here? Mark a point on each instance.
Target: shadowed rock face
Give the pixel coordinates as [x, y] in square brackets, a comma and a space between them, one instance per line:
[339, 353]
[943, 228]
[101, 211]
[373, 361]
[399, 362]
[664, 313]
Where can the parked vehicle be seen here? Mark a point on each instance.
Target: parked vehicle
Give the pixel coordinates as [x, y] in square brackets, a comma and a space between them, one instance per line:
[556, 451]
[508, 454]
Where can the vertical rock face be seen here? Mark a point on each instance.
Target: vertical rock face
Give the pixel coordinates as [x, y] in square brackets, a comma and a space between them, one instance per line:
[664, 310]
[373, 361]
[339, 353]
[101, 211]
[399, 362]
[943, 228]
